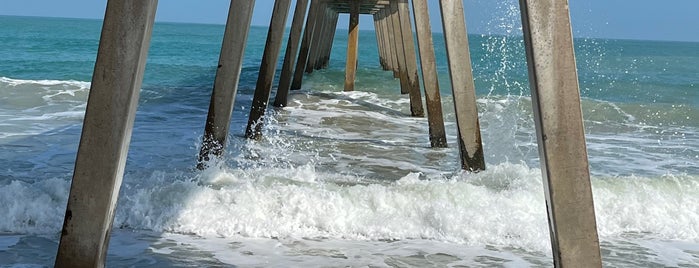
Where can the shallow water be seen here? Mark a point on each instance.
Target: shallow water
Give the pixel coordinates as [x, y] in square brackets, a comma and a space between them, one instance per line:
[347, 179]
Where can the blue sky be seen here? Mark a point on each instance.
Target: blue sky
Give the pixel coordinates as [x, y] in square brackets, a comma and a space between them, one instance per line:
[625, 19]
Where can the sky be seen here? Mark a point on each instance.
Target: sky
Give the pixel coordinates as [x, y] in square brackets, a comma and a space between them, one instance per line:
[673, 20]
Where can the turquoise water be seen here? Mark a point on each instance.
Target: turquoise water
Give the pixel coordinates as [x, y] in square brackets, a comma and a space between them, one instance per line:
[346, 179]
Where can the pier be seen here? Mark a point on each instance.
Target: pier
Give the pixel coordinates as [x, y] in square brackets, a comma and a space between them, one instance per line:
[120, 66]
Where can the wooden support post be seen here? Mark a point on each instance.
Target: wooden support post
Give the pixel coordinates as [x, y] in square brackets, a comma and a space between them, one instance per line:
[430, 82]
[352, 46]
[462, 85]
[412, 82]
[308, 31]
[292, 47]
[317, 38]
[400, 48]
[106, 133]
[561, 137]
[267, 68]
[226, 82]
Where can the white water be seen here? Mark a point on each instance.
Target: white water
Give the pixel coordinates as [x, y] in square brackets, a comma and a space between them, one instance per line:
[347, 179]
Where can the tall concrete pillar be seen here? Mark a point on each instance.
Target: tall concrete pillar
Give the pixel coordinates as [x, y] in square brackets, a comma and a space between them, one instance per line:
[226, 82]
[388, 45]
[412, 82]
[267, 68]
[400, 48]
[379, 45]
[430, 82]
[321, 24]
[391, 24]
[331, 39]
[558, 118]
[106, 133]
[308, 31]
[292, 47]
[462, 85]
[352, 46]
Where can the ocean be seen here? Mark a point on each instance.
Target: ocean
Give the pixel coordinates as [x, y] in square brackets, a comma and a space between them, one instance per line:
[346, 179]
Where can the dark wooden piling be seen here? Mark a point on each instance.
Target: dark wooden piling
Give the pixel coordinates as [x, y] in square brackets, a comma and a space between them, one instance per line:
[292, 48]
[430, 82]
[352, 46]
[226, 82]
[412, 80]
[462, 85]
[561, 137]
[106, 133]
[267, 68]
[308, 31]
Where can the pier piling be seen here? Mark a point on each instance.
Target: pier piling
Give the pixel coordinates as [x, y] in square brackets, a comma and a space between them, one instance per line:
[225, 89]
[412, 80]
[561, 137]
[268, 66]
[292, 49]
[428, 65]
[352, 49]
[106, 133]
[462, 85]
[304, 50]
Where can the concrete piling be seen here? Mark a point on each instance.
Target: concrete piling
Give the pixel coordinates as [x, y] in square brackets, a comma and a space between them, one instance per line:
[352, 46]
[292, 48]
[430, 82]
[561, 137]
[226, 82]
[318, 37]
[106, 133]
[267, 69]
[309, 29]
[400, 48]
[412, 80]
[462, 85]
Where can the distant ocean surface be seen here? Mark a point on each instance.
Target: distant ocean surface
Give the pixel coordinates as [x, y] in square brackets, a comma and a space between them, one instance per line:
[346, 179]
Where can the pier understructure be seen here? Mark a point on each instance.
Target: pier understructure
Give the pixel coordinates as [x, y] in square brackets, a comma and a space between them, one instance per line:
[120, 64]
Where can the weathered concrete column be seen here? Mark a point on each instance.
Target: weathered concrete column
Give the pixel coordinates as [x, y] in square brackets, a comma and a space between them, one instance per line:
[391, 24]
[309, 29]
[379, 45]
[430, 82]
[321, 24]
[352, 46]
[326, 41]
[412, 82]
[390, 54]
[329, 46]
[400, 48]
[267, 68]
[106, 133]
[561, 137]
[226, 82]
[292, 47]
[462, 85]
